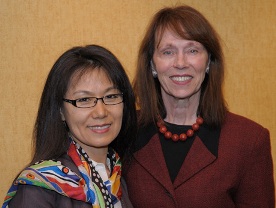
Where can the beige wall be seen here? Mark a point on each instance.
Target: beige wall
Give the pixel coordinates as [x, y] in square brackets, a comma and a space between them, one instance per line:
[33, 33]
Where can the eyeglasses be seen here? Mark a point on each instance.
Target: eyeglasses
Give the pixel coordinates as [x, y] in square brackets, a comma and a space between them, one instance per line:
[88, 102]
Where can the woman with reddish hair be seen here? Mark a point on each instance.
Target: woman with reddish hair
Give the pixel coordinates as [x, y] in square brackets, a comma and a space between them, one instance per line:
[191, 151]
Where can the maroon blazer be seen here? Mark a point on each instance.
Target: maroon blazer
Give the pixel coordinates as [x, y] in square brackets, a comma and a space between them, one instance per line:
[239, 175]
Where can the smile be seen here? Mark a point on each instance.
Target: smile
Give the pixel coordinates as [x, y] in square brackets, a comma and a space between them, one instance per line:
[181, 79]
[99, 127]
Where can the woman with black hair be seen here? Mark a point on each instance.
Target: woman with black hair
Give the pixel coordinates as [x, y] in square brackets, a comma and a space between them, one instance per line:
[85, 126]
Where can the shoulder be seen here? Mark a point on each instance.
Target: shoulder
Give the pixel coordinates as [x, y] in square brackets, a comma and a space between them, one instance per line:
[242, 124]
[33, 196]
[245, 132]
[47, 172]
[35, 182]
[62, 166]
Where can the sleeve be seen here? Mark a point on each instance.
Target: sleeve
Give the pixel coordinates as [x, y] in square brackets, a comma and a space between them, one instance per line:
[32, 196]
[256, 188]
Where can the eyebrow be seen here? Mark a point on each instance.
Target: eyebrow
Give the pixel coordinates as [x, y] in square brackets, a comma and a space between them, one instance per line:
[195, 43]
[190, 43]
[90, 92]
[169, 45]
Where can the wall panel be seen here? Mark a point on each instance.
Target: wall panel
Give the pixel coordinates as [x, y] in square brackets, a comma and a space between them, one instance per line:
[34, 33]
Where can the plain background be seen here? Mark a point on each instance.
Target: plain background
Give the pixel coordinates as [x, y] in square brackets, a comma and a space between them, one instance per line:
[34, 33]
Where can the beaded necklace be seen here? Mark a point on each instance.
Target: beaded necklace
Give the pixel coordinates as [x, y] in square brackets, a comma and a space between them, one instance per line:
[183, 136]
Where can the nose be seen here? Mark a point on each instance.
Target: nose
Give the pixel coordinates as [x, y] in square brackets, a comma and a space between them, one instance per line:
[99, 110]
[180, 61]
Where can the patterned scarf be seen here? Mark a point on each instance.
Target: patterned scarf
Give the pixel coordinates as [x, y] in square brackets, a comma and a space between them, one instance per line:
[88, 187]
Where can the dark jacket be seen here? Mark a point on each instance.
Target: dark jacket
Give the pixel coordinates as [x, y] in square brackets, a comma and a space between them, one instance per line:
[235, 171]
[29, 196]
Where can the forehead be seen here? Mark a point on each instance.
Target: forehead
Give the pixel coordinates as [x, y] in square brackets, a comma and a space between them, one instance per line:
[89, 75]
[170, 39]
[176, 31]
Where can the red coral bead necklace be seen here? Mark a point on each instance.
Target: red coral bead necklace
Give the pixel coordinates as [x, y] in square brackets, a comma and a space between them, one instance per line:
[183, 136]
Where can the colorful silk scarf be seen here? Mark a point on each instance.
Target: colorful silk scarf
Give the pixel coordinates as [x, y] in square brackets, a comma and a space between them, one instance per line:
[52, 175]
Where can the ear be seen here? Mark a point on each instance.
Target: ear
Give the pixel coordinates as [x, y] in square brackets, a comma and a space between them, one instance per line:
[62, 115]
[153, 70]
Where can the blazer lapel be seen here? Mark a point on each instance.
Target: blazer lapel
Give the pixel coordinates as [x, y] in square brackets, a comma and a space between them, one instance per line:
[152, 159]
[197, 159]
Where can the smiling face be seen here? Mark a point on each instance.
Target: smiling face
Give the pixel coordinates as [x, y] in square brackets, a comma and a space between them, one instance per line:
[96, 127]
[180, 65]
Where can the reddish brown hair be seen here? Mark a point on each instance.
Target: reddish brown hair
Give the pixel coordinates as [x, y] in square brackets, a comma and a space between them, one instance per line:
[189, 24]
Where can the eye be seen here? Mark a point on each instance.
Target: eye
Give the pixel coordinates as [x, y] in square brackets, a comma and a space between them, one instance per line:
[168, 52]
[193, 51]
[83, 100]
[112, 96]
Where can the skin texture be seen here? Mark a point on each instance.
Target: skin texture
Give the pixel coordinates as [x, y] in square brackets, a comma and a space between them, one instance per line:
[181, 66]
[96, 127]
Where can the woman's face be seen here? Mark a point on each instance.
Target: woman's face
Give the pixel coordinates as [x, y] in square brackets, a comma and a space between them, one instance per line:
[96, 127]
[180, 65]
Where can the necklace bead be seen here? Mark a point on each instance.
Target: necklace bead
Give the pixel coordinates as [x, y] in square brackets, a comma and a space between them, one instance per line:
[183, 136]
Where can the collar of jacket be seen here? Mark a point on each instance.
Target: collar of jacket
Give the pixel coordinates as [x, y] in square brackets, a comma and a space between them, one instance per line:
[203, 152]
[208, 136]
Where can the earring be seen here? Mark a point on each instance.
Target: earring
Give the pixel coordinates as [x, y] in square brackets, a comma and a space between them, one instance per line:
[208, 65]
[207, 69]
[153, 71]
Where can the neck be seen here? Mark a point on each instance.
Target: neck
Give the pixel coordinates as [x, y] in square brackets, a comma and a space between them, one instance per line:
[99, 155]
[181, 111]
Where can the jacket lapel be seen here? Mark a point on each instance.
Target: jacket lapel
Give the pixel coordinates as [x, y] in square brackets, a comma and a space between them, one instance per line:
[197, 159]
[152, 159]
[202, 153]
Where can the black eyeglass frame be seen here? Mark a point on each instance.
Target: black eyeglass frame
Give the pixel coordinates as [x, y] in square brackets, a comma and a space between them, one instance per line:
[74, 102]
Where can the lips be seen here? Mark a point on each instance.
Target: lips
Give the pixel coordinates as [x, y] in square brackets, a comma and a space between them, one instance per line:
[180, 78]
[101, 127]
